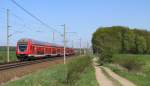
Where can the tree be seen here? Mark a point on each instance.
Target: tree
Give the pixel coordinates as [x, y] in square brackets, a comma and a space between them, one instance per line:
[121, 40]
[140, 44]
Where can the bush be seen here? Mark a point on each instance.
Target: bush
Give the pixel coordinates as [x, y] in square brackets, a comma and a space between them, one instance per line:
[132, 64]
[75, 68]
[105, 57]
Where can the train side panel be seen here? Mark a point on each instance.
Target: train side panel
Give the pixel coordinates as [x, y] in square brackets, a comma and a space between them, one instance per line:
[31, 49]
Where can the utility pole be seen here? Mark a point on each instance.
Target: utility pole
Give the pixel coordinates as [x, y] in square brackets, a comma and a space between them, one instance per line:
[72, 44]
[87, 50]
[8, 35]
[64, 44]
[80, 46]
[53, 37]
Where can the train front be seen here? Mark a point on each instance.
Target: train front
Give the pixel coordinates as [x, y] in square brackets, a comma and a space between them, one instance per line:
[22, 49]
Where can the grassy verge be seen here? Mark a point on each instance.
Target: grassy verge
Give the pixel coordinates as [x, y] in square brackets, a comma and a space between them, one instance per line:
[87, 78]
[3, 56]
[77, 72]
[141, 78]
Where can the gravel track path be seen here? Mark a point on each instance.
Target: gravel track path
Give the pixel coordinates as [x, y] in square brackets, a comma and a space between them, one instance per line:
[122, 81]
[103, 80]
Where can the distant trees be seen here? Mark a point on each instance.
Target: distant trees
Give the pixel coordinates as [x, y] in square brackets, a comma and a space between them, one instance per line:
[121, 39]
[4, 48]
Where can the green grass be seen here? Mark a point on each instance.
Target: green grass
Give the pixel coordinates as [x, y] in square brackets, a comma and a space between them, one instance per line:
[48, 77]
[141, 78]
[87, 78]
[3, 56]
[58, 75]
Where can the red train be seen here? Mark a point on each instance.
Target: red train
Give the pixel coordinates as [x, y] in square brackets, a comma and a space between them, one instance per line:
[28, 49]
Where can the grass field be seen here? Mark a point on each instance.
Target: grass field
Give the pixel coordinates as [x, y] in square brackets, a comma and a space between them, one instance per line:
[58, 75]
[3, 56]
[140, 78]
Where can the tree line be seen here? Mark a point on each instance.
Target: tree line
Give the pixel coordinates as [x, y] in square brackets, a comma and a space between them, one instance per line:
[4, 48]
[120, 39]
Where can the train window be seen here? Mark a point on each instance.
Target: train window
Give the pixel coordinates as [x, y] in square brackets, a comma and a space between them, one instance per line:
[22, 47]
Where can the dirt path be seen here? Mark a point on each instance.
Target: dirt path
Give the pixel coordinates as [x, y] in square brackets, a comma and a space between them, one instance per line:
[101, 78]
[104, 80]
[122, 81]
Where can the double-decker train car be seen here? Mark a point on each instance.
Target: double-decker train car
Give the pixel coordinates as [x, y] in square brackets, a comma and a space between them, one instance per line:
[28, 49]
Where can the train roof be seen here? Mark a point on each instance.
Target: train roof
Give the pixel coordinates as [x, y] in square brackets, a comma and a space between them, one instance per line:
[25, 40]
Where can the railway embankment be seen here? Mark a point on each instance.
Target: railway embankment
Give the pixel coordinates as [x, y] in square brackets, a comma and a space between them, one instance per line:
[18, 72]
[77, 72]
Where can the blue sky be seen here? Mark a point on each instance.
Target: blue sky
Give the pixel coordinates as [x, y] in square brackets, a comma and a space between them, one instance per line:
[81, 16]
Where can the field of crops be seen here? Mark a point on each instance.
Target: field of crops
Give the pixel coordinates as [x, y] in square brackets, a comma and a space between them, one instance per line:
[3, 56]
[142, 77]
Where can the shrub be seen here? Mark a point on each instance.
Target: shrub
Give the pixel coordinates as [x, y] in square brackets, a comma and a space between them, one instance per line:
[131, 63]
[105, 57]
[75, 68]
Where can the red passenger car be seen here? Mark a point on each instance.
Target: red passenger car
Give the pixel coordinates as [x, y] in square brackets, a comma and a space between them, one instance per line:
[28, 49]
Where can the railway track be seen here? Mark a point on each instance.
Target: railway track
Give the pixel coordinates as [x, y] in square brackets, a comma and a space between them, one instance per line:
[16, 64]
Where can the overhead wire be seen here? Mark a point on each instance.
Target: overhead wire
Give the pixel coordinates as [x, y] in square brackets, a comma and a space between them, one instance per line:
[22, 21]
[22, 24]
[2, 11]
[35, 17]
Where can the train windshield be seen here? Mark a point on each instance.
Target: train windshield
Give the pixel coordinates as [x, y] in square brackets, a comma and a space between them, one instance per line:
[22, 47]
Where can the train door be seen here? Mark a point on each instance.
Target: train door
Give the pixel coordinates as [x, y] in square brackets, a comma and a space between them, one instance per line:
[53, 50]
[59, 51]
[49, 50]
[33, 50]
